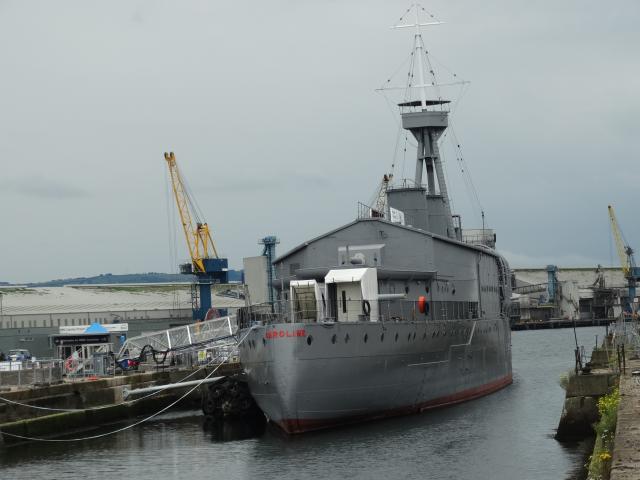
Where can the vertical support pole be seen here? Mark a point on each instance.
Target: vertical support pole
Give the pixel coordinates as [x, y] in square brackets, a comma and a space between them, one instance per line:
[442, 185]
[189, 334]
[419, 159]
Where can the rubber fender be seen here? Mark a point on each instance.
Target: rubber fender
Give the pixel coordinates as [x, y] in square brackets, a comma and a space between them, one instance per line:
[366, 307]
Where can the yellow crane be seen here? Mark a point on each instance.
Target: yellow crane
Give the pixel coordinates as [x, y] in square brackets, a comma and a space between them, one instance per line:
[627, 260]
[205, 263]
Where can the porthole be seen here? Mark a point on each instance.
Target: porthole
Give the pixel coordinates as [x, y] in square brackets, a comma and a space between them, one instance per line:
[396, 337]
[366, 337]
[334, 338]
[346, 338]
[309, 340]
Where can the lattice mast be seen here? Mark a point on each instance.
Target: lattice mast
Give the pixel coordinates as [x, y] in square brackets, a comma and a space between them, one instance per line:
[426, 118]
[269, 251]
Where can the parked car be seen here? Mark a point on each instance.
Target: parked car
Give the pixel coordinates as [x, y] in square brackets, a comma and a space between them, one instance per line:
[19, 355]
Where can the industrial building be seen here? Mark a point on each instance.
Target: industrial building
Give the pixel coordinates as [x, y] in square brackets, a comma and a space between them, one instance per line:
[30, 317]
[575, 293]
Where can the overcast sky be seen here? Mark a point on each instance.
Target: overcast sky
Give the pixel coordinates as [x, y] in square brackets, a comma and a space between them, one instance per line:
[271, 109]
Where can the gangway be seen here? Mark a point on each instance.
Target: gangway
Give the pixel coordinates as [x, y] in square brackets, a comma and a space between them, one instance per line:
[219, 332]
[530, 288]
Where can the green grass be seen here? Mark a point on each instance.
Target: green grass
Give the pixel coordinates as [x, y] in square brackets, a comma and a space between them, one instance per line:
[17, 290]
[599, 465]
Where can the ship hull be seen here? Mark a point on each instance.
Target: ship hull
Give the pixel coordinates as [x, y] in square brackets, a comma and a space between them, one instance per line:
[310, 376]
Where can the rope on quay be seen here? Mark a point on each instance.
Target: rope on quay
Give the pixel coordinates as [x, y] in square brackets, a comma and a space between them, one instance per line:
[49, 409]
[127, 427]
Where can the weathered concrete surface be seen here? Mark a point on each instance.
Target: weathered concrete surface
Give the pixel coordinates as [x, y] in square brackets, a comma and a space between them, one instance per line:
[66, 423]
[88, 394]
[600, 357]
[599, 382]
[626, 451]
[580, 410]
[84, 396]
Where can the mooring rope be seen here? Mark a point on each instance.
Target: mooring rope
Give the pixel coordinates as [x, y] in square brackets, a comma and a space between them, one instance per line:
[127, 427]
[100, 407]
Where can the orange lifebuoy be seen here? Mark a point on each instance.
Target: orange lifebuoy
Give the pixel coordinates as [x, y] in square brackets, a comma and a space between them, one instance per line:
[422, 304]
[70, 364]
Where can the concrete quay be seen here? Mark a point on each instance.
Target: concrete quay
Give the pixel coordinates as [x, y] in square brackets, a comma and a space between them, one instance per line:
[93, 403]
[580, 410]
[559, 323]
[625, 463]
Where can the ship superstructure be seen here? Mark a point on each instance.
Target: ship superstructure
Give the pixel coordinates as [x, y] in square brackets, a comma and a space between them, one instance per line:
[390, 314]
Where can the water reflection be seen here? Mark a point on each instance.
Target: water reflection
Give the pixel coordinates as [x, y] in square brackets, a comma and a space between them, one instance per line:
[230, 429]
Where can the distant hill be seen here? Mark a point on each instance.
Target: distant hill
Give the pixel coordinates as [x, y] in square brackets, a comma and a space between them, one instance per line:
[151, 277]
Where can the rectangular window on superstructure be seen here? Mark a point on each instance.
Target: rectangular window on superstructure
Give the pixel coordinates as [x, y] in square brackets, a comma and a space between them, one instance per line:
[344, 301]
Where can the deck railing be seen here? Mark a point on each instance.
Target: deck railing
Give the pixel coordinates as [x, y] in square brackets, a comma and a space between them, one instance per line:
[393, 310]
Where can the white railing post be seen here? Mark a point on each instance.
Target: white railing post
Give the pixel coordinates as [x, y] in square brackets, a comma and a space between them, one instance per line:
[189, 335]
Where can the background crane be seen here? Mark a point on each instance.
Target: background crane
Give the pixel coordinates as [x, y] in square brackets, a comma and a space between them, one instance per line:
[627, 260]
[205, 263]
[378, 203]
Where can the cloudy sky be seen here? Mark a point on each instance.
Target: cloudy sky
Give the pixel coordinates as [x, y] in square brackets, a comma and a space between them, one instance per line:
[272, 112]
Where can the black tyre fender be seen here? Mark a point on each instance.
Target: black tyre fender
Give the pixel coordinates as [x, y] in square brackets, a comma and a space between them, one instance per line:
[366, 307]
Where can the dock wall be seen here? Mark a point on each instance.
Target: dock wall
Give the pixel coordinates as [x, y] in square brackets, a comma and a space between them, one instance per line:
[625, 463]
[85, 396]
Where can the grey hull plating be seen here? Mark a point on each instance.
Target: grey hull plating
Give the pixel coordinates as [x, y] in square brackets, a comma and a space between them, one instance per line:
[343, 372]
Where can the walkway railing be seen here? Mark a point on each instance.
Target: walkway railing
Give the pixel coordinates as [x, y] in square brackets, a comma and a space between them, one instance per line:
[28, 373]
[180, 338]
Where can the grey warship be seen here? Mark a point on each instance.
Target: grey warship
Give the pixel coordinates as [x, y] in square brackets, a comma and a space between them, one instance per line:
[394, 313]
